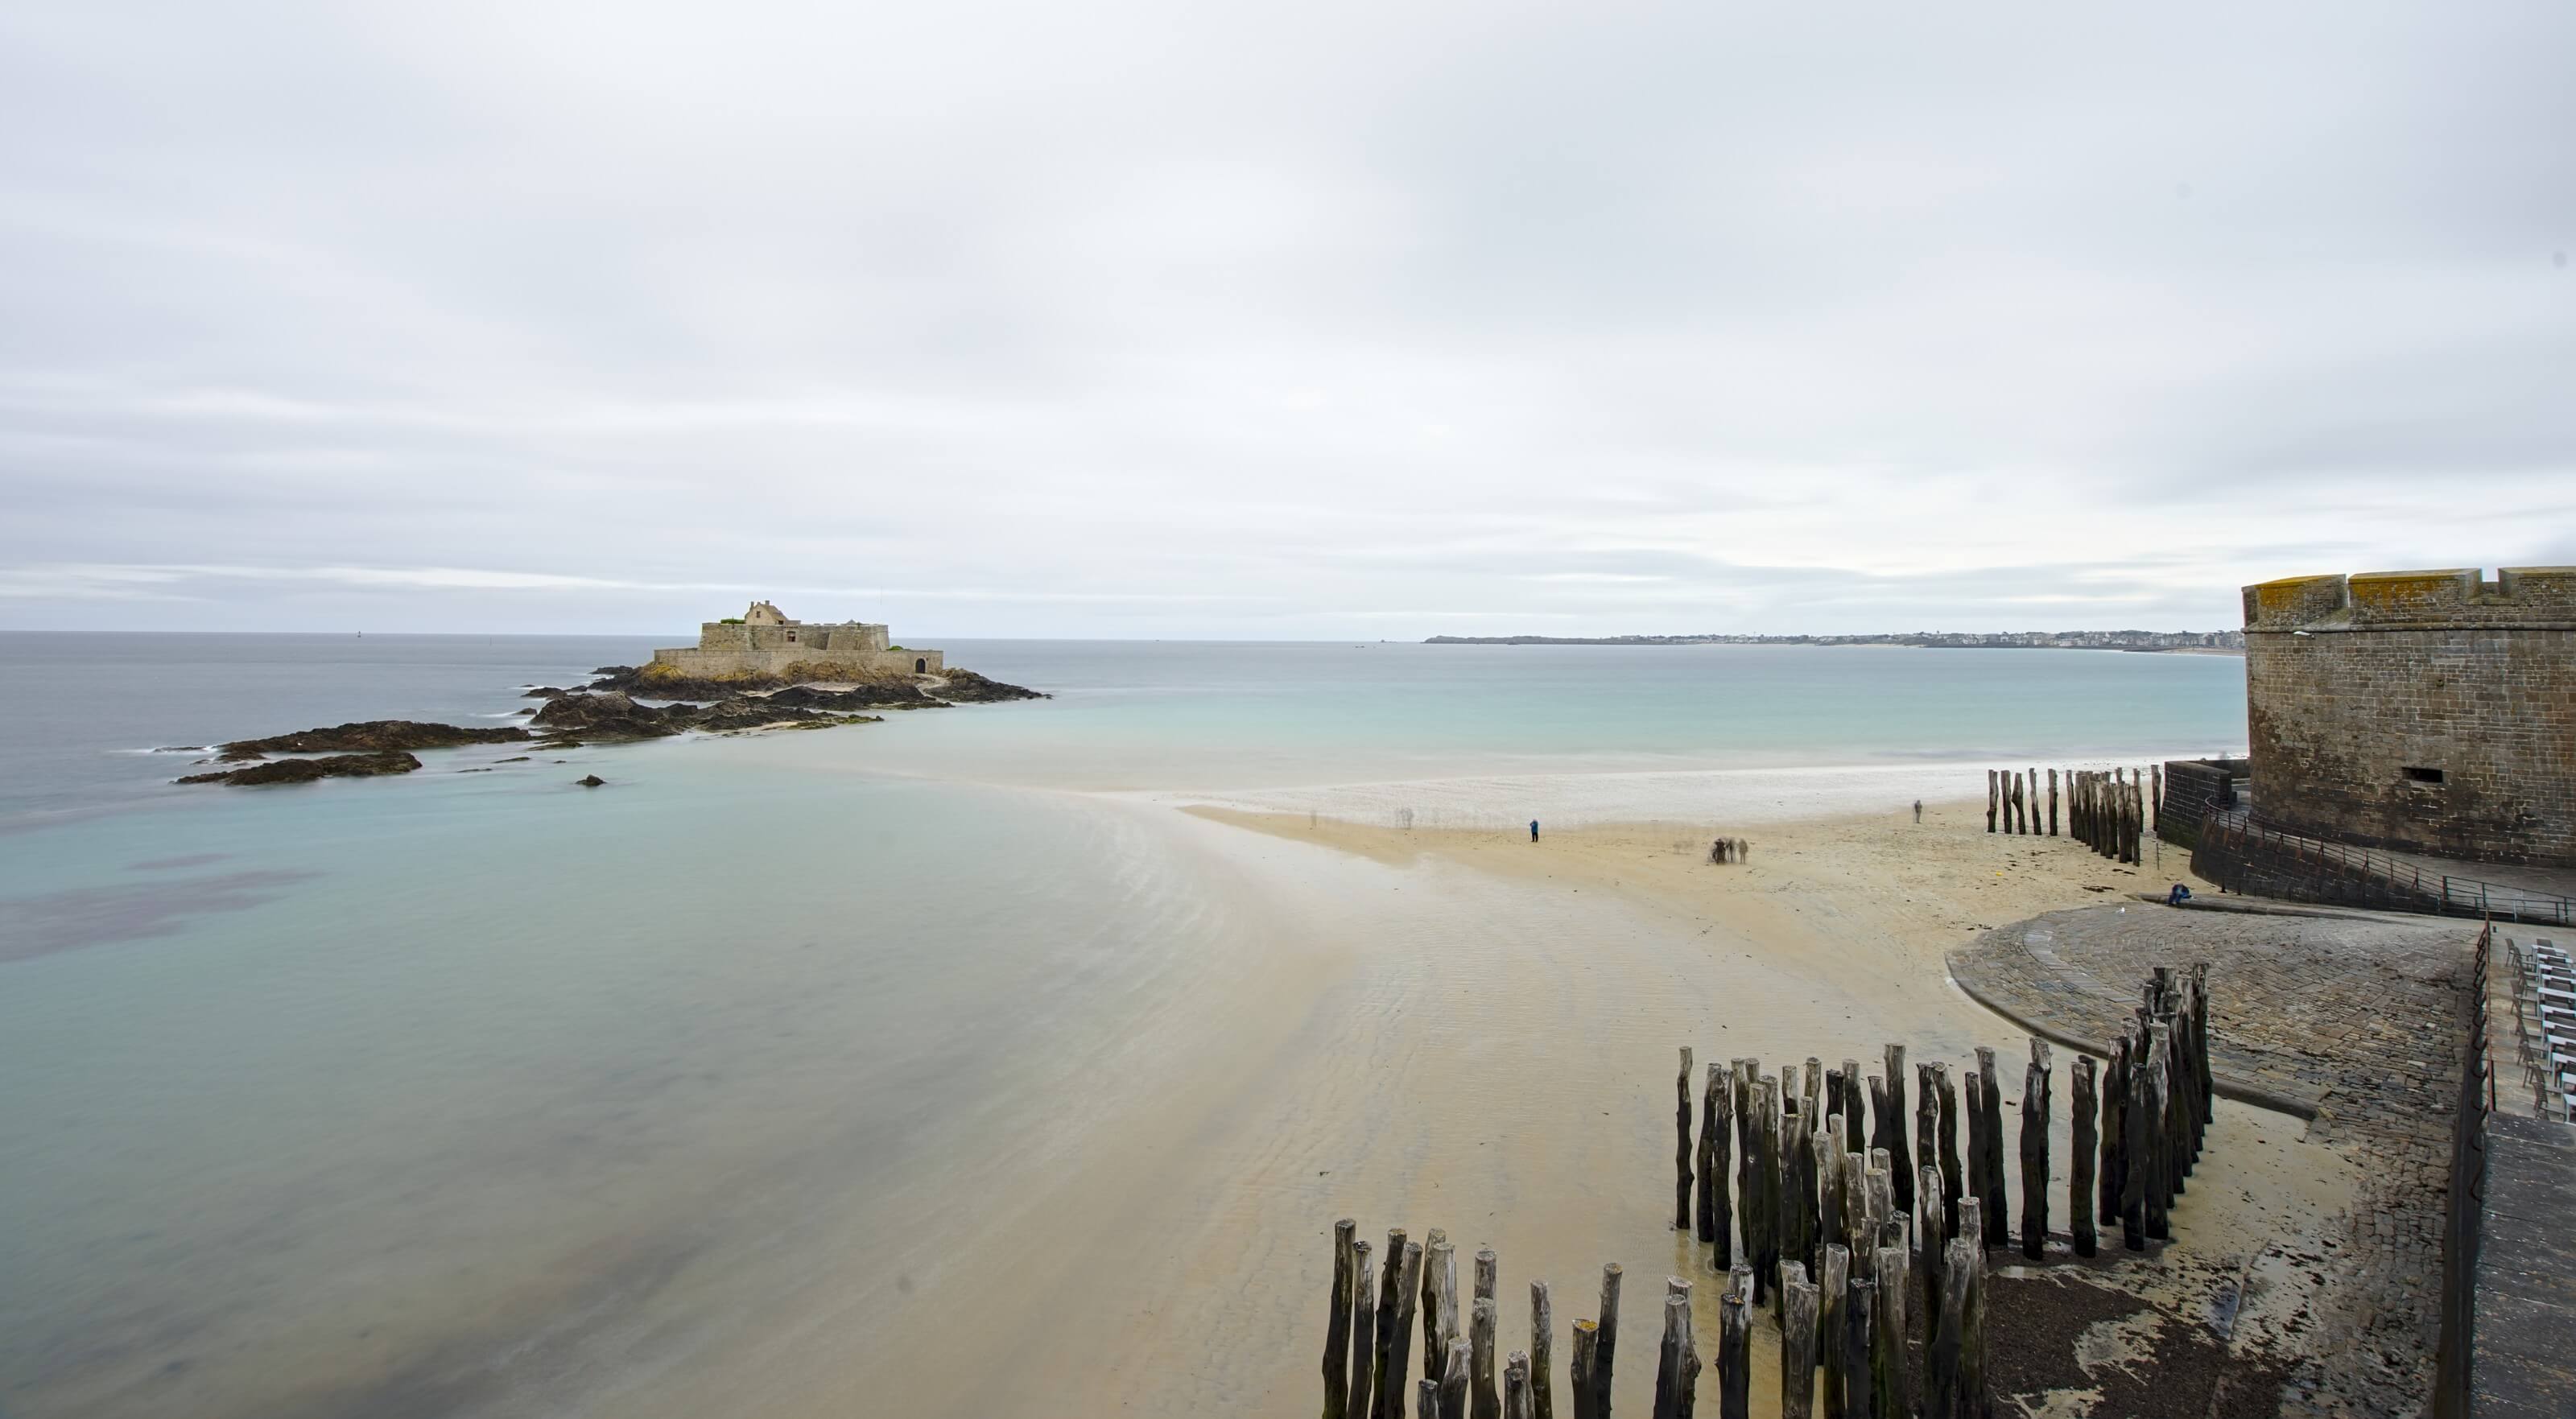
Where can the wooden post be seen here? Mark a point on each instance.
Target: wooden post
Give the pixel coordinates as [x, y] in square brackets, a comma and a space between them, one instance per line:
[1439, 1303]
[1542, 1342]
[2034, 1152]
[1798, 1311]
[1382, 1332]
[2136, 1163]
[1859, 1311]
[1764, 1248]
[1975, 1088]
[1717, 1129]
[2079, 1177]
[1942, 1361]
[1833, 1104]
[1516, 1387]
[1488, 1274]
[1429, 1406]
[1890, 1395]
[1852, 1102]
[1747, 1073]
[1734, 1356]
[1586, 1386]
[1682, 1145]
[1676, 1289]
[1825, 1163]
[1399, 1337]
[1927, 1128]
[2115, 1131]
[1833, 1298]
[2052, 803]
[1790, 1237]
[1930, 1243]
[1609, 1324]
[1998, 1230]
[1974, 1403]
[2160, 1143]
[1953, 1181]
[1990, 800]
[1337, 1326]
[1675, 1353]
[1892, 1136]
[1363, 1332]
[1484, 1401]
[2156, 804]
[1453, 1378]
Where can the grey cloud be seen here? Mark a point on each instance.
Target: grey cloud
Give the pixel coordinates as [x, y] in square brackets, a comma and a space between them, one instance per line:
[1127, 319]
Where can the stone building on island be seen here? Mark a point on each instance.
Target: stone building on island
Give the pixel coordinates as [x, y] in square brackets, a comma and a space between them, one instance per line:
[764, 641]
[2430, 711]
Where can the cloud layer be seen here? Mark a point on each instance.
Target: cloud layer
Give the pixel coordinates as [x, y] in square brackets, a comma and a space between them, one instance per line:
[1317, 320]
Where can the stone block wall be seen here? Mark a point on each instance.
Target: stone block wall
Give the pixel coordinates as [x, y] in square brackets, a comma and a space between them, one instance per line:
[816, 664]
[2420, 711]
[2194, 789]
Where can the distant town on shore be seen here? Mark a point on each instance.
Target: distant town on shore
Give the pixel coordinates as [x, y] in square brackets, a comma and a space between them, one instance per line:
[1939, 640]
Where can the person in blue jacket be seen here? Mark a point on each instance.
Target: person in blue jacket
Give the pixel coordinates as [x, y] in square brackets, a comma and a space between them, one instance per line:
[1533, 830]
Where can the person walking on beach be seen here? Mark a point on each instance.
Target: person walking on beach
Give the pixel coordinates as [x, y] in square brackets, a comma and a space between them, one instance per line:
[1533, 830]
[1918, 812]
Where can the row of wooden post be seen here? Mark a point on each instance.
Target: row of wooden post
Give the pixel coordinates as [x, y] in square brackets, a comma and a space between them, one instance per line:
[2108, 812]
[1870, 1253]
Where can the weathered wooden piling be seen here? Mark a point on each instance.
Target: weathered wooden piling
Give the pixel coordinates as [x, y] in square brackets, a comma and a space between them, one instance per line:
[2138, 1130]
[2052, 803]
[1990, 800]
[1717, 1133]
[1891, 1395]
[1799, 1314]
[1789, 1167]
[1439, 1302]
[2079, 1174]
[1454, 1375]
[1973, 1085]
[2160, 1142]
[1382, 1331]
[1337, 1326]
[1428, 1406]
[1953, 1180]
[1859, 1313]
[1766, 1182]
[1363, 1385]
[1672, 1360]
[1998, 1230]
[1516, 1387]
[1399, 1338]
[2115, 1131]
[1609, 1326]
[2034, 1152]
[1704, 1158]
[1542, 1342]
[1585, 1387]
[1927, 1128]
[1682, 1145]
[1931, 1241]
[1974, 1403]
[1833, 1297]
[1484, 1401]
[1891, 1136]
[1734, 1355]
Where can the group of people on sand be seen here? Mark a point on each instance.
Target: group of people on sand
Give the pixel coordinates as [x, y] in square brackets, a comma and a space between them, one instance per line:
[1726, 850]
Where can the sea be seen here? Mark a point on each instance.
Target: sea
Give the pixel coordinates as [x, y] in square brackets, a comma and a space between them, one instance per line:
[478, 1092]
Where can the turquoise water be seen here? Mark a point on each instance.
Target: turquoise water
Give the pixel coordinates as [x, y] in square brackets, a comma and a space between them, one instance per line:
[414, 1096]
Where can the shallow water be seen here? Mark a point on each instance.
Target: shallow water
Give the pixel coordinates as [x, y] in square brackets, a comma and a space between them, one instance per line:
[724, 1085]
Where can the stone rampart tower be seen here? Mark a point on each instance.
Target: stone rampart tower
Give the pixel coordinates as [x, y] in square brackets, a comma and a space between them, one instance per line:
[2425, 711]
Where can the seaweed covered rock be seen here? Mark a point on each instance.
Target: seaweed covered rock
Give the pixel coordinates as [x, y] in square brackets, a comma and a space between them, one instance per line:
[606, 716]
[308, 770]
[373, 736]
[965, 687]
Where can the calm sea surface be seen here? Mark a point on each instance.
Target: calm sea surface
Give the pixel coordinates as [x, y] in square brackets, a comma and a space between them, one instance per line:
[413, 1096]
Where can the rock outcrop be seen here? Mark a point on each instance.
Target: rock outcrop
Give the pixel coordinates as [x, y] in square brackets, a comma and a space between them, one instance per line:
[307, 770]
[373, 736]
[605, 716]
[965, 687]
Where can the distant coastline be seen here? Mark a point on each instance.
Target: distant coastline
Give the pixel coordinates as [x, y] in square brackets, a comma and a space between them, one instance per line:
[2189, 642]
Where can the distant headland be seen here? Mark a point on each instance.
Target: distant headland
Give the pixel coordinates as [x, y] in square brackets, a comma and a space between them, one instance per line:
[2188, 641]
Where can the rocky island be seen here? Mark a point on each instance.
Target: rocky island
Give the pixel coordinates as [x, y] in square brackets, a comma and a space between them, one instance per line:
[758, 671]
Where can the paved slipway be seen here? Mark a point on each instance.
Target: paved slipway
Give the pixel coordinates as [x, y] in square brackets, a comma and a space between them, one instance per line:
[2355, 1022]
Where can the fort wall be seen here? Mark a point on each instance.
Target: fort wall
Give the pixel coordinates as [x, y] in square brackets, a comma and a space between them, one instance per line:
[2429, 711]
[776, 660]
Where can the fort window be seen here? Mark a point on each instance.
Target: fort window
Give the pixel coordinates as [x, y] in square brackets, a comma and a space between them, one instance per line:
[2417, 775]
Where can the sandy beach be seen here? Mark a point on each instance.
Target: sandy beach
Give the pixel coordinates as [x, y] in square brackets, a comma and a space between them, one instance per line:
[1469, 1031]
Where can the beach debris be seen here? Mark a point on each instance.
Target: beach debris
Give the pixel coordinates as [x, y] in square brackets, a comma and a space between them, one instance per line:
[591, 781]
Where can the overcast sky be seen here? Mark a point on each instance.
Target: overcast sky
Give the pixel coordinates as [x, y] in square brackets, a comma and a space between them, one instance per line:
[1326, 319]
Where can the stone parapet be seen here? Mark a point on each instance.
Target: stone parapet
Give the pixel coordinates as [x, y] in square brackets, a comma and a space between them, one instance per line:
[2540, 598]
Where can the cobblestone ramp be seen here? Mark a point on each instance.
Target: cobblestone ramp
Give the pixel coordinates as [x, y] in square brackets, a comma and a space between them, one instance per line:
[2355, 1023]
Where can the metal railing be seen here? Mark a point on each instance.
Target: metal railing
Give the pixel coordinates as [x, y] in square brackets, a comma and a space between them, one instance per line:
[2371, 878]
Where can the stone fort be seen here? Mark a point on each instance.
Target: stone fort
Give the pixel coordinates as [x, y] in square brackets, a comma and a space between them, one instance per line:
[764, 641]
[2430, 711]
